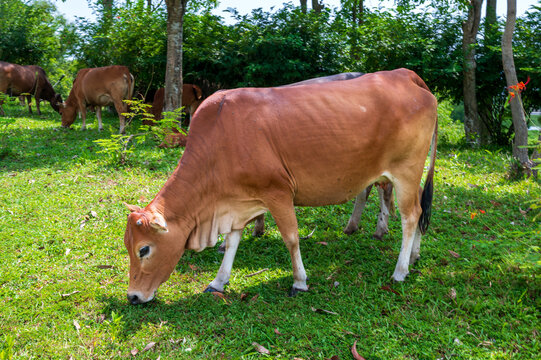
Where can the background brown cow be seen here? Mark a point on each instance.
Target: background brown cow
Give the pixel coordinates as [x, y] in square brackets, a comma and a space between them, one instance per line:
[192, 97]
[31, 79]
[97, 87]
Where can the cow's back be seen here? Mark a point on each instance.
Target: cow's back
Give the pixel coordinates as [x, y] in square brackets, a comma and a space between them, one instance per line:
[99, 86]
[15, 79]
[326, 142]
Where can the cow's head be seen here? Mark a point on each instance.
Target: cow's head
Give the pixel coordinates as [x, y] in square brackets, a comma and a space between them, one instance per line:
[56, 102]
[68, 114]
[154, 251]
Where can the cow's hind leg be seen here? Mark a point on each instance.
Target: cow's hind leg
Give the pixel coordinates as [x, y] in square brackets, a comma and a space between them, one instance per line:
[231, 245]
[410, 210]
[121, 108]
[385, 192]
[98, 115]
[259, 226]
[360, 202]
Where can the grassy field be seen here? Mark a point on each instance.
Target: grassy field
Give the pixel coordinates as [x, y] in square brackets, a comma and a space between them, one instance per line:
[474, 294]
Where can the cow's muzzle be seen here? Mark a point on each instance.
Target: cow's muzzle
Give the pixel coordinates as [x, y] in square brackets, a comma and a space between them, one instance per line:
[134, 299]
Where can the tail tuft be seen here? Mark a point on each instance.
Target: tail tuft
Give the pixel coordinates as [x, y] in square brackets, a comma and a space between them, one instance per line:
[426, 205]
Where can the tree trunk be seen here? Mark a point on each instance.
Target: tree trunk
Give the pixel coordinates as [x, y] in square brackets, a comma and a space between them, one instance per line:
[316, 6]
[517, 111]
[108, 8]
[475, 131]
[304, 6]
[361, 12]
[173, 70]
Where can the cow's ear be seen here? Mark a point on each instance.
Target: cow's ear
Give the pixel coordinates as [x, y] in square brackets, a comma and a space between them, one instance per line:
[132, 208]
[158, 223]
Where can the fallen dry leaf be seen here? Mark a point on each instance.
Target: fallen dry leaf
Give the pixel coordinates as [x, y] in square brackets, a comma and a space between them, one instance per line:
[388, 288]
[323, 311]
[495, 203]
[243, 296]
[94, 214]
[104, 266]
[322, 243]
[260, 348]
[76, 324]
[452, 294]
[220, 295]
[134, 351]
[277, 332]
[193, 267]
[335, 357]
[485, 343]
[354, 352]
[454, 254]
[254, 298]
[149, 346]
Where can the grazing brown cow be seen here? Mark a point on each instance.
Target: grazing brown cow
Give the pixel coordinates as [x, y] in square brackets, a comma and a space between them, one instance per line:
[192, 97]
[97, 87]
[31, 79]
[256, 149]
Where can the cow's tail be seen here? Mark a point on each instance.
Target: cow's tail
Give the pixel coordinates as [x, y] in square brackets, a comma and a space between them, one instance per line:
[428, 190]
[131, 85]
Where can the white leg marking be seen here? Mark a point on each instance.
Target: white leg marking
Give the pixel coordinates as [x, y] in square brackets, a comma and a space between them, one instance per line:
[299, 274]
[408, 233]
[231, 244]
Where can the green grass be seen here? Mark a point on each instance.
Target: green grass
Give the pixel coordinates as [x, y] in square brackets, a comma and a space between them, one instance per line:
[63, 272]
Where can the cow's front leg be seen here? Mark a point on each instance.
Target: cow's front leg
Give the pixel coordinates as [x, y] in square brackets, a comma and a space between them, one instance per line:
[284, 216]
[231, 245]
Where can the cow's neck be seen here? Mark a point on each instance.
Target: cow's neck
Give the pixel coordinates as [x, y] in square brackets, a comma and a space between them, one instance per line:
[187, 205]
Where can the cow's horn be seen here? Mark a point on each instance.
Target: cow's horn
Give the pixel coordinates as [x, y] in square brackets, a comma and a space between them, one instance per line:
[158, 223]
[132, 208]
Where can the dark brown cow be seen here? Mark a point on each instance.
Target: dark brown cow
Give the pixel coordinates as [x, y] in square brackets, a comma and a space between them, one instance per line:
[31, 79]
[192, 97]
[254, 150]
[97, 87]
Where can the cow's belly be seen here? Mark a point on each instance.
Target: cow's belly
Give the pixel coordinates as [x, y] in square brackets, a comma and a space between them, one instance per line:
[339, 191]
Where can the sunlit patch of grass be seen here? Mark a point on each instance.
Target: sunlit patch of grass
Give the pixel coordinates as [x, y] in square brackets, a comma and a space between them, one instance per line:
[63, 277]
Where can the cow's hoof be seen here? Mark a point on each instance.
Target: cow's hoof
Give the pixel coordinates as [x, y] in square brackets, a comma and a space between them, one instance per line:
[350, 230]
[221, 248]
[257, 233]
[294, 291]
[210, 289]
[399, 277]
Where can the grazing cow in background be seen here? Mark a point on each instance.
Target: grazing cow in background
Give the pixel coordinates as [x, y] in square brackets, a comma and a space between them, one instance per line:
[30, 79]
[253, 150]
[97, 87]
[192, 97]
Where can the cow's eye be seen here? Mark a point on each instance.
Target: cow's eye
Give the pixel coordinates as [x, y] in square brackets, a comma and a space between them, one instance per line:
[144, 251]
